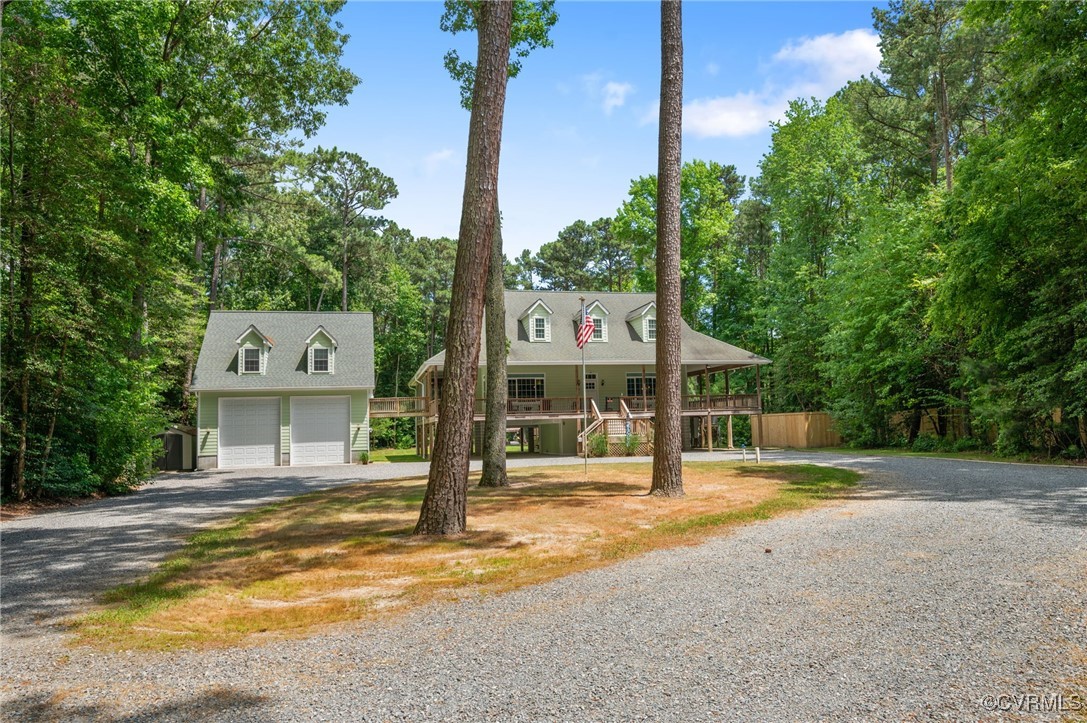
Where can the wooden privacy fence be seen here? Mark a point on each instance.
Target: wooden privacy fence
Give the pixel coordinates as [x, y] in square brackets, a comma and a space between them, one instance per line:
[800, 429]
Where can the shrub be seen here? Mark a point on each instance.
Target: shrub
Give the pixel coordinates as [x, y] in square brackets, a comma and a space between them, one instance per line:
[966, 444]
[925, 443]
[631, 442]
[598, 445]
[364, 458]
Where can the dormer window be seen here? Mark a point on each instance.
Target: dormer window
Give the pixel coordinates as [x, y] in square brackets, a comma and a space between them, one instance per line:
[598, 329]
[537, 321]
[250, 360]
[253, 348]
[643, 321]
[599, 314]
[321, 352]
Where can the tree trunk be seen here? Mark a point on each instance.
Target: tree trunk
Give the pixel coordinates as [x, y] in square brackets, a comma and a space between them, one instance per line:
[668, 445]
[494, 429]
[444, 510]
[343, 274]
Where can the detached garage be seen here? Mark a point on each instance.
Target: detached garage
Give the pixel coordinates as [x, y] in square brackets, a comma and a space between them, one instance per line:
[284, 388]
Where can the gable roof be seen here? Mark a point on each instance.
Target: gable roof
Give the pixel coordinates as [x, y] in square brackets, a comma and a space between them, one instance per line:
[253, 328]
[641, 310]
[531, 307]
[322, 330]
[624, 345]
[589, 307]
[287, 366]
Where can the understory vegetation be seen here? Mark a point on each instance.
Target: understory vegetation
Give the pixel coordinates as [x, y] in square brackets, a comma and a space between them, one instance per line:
[914, 248]
[348, 553]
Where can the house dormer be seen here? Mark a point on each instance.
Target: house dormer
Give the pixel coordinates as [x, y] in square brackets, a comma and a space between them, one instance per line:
[599, 314]
[537, 321]
[644, 321]
[253, 348]
[321, 352]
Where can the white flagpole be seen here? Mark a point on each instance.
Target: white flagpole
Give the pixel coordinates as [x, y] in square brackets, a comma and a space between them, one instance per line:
[584, 397]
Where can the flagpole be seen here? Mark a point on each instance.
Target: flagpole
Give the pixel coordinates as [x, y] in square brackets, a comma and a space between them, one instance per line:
[584, 399]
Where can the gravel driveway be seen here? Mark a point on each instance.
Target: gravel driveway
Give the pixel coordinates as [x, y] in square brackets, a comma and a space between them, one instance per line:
[943, 590]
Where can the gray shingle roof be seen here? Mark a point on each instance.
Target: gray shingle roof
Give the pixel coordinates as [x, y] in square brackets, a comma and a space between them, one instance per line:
[217, 365]
[624, 343]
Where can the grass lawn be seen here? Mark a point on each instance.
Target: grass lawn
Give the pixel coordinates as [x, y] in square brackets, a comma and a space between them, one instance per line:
[395, 455]
[348, 553]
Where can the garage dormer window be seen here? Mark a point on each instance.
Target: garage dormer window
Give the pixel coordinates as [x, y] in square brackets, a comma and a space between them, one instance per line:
[321, 352]
[250, 360]
[253, 348]
[539, 329]
[650, 329]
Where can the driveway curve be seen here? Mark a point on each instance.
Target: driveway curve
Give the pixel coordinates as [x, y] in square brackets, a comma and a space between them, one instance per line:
[944, 589]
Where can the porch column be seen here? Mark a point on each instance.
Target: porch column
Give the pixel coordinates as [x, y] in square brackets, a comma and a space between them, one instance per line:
[758, 395]
[709, 431]
[730, 432]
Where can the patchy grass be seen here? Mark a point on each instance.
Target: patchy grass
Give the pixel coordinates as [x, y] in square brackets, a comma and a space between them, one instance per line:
[395, 455]
[348, 553]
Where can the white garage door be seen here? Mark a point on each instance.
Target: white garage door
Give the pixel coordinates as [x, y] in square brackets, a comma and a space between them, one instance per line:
[248, 432]
[319, 430]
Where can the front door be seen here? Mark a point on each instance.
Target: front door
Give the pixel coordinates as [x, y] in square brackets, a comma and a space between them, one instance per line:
[592, 389]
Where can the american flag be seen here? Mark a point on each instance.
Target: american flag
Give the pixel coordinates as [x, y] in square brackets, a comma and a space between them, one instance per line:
[585, 331]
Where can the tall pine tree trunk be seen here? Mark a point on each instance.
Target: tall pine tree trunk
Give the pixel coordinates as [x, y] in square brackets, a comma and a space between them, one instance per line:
[444, 510]
[494, 429]
[668, 445]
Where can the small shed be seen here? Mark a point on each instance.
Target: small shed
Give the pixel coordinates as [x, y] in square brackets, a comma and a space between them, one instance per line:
[179, 445]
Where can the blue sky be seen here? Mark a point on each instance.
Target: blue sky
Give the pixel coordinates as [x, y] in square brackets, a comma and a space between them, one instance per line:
[581, 117]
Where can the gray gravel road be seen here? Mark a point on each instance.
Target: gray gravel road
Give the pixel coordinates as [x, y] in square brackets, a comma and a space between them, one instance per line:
[944, 589]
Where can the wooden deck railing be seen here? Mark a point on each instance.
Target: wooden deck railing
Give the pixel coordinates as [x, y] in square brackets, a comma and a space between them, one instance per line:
[698, 403]
[399, 407]
[533, 407]
[722, 402]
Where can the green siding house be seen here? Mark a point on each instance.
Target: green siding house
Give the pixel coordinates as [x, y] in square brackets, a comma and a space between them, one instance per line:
[284, 388]
[547, 401]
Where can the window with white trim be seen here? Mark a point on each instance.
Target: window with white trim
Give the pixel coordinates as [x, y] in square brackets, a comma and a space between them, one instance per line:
[321, 360]
[598, 328]
[250, 360]
[634, 385]
[525, 387]
[539, 329]
[651, 329]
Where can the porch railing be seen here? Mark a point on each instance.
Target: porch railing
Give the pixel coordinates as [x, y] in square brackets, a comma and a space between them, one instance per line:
[531, 407]
[698, 403]
[399, 407]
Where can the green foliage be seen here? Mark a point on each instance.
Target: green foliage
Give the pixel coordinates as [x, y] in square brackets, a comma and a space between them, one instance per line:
[598, 445]
[631, 442]
[532, 23]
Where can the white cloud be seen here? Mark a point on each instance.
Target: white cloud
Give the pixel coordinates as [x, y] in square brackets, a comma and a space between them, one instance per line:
[611, 94]
[615, 95]
[743, 114]
[834, 59]
[817, 66]
[712, 69]
[432, 162]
